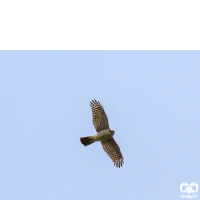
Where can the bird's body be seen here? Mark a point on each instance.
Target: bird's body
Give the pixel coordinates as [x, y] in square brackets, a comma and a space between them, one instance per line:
[104, 134]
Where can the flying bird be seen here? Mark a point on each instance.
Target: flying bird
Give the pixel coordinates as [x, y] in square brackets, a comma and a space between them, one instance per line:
[104, 134]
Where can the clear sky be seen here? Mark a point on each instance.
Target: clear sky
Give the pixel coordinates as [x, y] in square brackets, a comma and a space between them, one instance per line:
[151, 98]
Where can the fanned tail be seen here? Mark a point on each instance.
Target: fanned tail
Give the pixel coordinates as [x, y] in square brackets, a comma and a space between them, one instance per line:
[86, 140]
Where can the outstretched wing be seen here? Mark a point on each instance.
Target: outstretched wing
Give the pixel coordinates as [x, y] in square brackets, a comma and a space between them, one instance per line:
[100, 120]
[113, 151]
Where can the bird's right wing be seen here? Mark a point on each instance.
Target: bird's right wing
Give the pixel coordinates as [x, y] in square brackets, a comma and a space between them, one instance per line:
[99, 117]
[113, 151]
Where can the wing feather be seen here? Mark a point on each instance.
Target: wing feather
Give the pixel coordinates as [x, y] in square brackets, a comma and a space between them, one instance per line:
[99, 117]
[113, 151]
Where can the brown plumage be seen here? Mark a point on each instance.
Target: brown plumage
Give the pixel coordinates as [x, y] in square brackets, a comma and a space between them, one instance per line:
[86, 140]
[104, 134]
[113, 151]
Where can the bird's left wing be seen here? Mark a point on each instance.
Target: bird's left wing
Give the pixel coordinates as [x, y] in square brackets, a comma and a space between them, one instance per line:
[113, 151]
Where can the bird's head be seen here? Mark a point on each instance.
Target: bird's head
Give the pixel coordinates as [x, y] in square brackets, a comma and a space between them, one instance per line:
[112, 132]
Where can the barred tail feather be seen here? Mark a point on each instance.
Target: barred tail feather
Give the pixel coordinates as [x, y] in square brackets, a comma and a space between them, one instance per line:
[86, 140]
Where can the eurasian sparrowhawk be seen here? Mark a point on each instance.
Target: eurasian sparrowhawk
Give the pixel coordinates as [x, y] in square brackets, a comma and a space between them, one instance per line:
[104, 134]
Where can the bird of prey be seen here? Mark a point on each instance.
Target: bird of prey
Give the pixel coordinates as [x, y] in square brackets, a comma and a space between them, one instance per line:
[104, 134]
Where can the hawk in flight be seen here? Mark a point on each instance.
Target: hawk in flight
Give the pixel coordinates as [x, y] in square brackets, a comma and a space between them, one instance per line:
[104, 134]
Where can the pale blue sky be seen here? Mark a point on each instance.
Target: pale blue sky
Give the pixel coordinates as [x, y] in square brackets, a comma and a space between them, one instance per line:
[151, 98]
